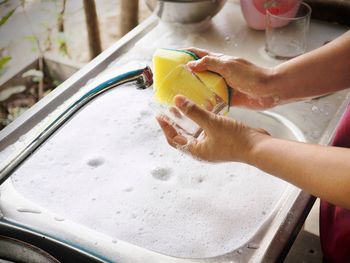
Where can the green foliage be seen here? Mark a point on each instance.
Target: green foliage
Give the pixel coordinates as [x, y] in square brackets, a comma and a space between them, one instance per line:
[62, 44]
[6, 17]
[32, 39]
[3, 61]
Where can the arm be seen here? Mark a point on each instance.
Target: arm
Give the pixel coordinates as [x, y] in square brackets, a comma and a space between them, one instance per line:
[320, 170]
[324, 70]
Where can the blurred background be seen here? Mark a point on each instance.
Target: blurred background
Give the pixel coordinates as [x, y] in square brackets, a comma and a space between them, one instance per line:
[43, 42]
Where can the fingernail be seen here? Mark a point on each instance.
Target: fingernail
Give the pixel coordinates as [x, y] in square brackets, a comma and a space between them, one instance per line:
[192, 63]
[180, 101]
[180, 140]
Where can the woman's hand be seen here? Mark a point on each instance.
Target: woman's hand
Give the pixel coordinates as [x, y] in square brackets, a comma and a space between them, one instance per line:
[224, 139]
[316, 73]
[252, 84]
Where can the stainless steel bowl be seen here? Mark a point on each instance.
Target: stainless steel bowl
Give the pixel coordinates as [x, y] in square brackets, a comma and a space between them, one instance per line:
[185, 11]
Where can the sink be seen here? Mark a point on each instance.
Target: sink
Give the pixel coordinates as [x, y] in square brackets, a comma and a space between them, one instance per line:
[276, 125]
[108, 183]
[109, 169]
[122, 180]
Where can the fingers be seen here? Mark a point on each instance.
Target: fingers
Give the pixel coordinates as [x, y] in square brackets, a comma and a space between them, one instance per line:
[173, 138]
[194, 112]
[198, 51]
[212, 63]
[202, 52]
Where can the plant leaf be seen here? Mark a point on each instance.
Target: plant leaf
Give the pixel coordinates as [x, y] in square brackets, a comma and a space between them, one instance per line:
[4, 61]
[4, 19]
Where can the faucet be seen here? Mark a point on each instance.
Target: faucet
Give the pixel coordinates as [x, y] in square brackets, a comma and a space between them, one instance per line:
[142, 78]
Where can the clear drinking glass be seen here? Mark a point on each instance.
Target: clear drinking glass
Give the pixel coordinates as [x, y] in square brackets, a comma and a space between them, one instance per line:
[285, 37]
[184, 125]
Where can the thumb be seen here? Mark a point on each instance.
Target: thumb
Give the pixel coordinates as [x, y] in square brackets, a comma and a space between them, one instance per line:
[194, 112]
[211, 63]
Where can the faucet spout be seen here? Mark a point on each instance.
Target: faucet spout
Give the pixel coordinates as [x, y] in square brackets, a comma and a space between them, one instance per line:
[141, 77]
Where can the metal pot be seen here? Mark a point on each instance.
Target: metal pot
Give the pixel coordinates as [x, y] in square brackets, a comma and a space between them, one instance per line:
[185, 11]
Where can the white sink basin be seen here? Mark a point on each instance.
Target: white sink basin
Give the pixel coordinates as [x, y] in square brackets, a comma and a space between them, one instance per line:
[110, 169]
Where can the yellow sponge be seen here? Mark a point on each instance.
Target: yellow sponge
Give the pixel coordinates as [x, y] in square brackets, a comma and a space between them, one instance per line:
[172, 78]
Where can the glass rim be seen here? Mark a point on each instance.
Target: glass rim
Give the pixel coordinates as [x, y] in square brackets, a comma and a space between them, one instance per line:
[309, 11]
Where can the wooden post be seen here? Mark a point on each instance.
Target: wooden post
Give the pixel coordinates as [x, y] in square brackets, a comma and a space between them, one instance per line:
[129, 15]
[92, 28]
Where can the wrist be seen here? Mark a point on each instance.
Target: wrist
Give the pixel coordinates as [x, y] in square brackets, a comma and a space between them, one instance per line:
[258, 142]
[270, 81]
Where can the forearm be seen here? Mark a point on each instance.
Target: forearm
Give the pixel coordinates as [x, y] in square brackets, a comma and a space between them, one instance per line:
[322, 71]
[320, 170]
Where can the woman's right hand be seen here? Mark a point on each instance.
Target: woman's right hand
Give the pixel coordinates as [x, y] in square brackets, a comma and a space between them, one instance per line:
[223, 139]
[251, 84]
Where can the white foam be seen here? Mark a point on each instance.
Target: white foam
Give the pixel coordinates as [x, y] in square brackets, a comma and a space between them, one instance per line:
[133, 186]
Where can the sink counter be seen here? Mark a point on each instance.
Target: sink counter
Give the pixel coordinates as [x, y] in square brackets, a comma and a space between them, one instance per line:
[126, 153]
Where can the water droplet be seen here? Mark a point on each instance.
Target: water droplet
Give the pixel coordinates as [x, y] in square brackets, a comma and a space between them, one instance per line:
[129, 189]
[28, 210]
[314, 108]
[145, 113]
[200, 180]
[161, 173]
[253, 246]
[95, 162]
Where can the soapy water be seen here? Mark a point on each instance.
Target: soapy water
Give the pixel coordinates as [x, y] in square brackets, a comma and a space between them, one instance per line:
[95, 162]
[161, 173]
[165, 201]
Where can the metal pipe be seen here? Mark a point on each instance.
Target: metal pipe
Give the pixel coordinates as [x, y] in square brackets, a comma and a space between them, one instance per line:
[143, 79]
